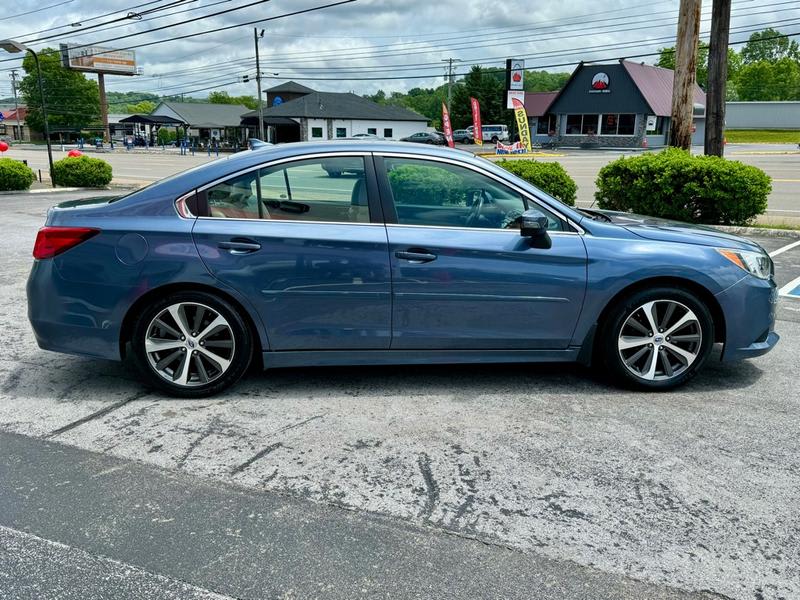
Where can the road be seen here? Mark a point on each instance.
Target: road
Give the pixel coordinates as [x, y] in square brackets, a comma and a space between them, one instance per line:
[405, 482]
[779, 161]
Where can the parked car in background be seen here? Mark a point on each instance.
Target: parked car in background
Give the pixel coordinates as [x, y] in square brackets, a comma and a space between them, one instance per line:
[424, 256]
[462, 136]
[365, 136]
[426, 137]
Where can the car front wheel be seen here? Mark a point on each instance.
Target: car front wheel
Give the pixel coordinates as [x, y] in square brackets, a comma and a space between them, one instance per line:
[191, 344]
[656, 339]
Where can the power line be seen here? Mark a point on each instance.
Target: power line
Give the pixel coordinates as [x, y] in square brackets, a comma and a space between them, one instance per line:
[89, 19]
[30, 12]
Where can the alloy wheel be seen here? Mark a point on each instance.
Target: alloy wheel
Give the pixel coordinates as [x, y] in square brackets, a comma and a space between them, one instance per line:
[660, 340]
[189, 344]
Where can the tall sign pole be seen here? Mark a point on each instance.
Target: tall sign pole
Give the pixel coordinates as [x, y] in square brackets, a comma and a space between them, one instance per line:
[258, 86]
[717, 77]
[685, 73]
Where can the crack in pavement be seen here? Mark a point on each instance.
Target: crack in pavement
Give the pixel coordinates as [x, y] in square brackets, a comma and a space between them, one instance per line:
[95, 415]
[262, 453]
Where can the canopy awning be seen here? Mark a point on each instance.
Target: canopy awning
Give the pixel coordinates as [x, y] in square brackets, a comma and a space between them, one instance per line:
[152, 120]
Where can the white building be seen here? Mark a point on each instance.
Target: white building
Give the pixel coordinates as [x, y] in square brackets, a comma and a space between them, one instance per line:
[296, 113]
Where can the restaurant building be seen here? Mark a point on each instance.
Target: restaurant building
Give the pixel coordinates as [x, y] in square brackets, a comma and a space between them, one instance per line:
[620, 105]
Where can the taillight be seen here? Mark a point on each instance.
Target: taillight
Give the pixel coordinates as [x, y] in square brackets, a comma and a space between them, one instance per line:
[52, 241]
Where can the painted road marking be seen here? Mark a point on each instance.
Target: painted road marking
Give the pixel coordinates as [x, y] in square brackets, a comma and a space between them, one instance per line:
[785, 248]
[791, 289]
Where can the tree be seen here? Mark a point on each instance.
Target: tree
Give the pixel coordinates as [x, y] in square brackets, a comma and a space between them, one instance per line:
[488, 89]
[224, 98]
[145, 107]
[666, 59]
[766, 46]
[765, 80]
[72, 100]
[542, 81]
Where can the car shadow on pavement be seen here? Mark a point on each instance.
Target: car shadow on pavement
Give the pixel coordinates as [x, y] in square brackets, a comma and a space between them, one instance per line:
[69, 379]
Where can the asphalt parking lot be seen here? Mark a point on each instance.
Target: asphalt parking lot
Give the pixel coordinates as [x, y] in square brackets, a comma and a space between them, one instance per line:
[535, 478]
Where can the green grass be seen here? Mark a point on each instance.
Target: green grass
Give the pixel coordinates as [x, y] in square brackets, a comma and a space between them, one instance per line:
[784, 226]
[763, 136]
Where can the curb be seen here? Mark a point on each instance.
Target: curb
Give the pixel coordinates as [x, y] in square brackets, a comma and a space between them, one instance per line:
[762, 231]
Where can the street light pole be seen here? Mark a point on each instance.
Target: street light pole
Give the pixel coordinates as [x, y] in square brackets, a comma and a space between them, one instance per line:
[14, 48]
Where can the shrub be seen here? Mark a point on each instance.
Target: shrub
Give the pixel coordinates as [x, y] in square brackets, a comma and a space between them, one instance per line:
[551, 178]
[15, 175]
[424, 185]
[81, 171]
[673, 184]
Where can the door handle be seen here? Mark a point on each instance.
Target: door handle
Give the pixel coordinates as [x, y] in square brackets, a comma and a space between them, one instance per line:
[416, 257]
[239, 247]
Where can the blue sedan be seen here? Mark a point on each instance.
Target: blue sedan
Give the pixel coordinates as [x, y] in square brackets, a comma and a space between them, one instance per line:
[413, 255]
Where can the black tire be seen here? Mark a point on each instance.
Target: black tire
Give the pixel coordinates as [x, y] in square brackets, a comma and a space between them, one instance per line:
[240, 354]
[495, 139]
[609, 356]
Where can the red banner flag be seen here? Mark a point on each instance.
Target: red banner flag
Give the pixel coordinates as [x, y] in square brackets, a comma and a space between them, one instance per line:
[448, 129]
[477, 133]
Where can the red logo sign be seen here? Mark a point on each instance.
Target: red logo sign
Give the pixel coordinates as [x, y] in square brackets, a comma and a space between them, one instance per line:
[600, 81]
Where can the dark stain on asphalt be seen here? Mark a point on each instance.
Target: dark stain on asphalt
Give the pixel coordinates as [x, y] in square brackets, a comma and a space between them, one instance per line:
[12, 381]
[431, 487]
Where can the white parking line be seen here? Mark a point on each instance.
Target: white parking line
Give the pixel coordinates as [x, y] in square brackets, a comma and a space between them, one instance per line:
[784, 291]
[785, 248]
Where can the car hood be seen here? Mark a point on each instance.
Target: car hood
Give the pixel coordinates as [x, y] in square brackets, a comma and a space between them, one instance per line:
[665, 230]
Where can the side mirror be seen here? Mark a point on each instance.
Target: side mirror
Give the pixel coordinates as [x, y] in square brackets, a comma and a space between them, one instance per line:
[533, 224]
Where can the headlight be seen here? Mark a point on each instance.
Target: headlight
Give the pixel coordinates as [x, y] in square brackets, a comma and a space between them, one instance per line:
[755, 263]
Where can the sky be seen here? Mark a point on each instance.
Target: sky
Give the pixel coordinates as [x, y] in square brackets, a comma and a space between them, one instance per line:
[362, 45]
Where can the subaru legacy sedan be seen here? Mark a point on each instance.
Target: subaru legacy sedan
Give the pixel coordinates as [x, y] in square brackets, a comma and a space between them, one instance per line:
[414, 255]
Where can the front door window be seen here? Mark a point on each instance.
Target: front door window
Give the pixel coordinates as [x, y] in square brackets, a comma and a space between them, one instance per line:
[444, 195]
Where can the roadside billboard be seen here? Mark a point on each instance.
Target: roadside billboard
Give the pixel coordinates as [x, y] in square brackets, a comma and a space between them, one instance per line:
[515, 74]
[98, 59]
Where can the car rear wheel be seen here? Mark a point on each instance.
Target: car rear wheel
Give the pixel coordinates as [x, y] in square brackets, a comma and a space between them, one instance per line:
[495, 139]
[191, 344]
[656, 339]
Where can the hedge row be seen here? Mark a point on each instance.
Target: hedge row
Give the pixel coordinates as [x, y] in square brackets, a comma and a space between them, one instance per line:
[14, 175]
[81, 171]
[673, 184]
[551, 178]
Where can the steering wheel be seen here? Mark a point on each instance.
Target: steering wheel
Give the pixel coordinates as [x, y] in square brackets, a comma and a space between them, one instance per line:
[477, 207]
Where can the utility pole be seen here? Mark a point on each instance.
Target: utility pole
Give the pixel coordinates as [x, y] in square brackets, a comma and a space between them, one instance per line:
[101, 84]
[717, 77]
[16, 105]
[685, 74]
[258, 85]
[449, 62]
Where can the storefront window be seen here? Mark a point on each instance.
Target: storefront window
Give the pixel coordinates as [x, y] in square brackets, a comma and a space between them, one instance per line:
[546, 124]
[316, 132]
[589, 125]
[387, 132]
[617, 124]
[627, 125]
[341, 132]
[574, 124]
[609, 124]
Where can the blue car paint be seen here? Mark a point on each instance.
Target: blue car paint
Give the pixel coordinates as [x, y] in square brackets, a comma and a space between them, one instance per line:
[79, 300]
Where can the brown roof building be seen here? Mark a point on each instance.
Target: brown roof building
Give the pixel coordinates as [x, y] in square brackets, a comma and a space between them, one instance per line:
[624, 105]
